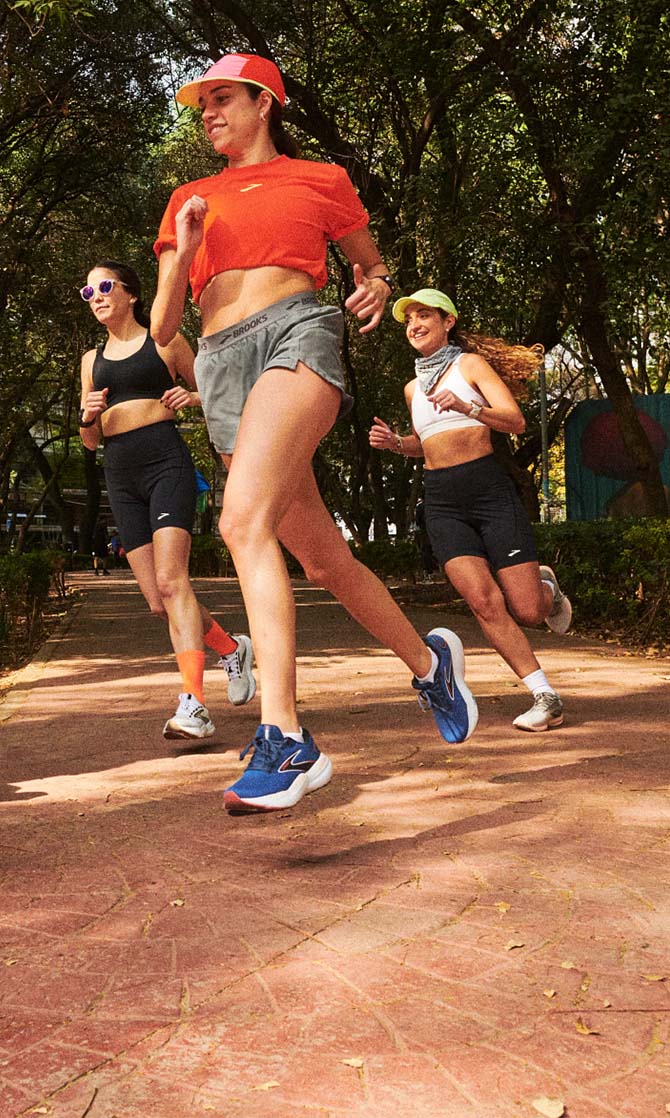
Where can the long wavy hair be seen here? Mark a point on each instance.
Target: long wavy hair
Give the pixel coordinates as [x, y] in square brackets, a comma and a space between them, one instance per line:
[130, 278]
[516, 365]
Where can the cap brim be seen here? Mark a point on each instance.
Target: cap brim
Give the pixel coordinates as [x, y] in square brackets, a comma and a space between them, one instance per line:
[189, 94]
[399, 308]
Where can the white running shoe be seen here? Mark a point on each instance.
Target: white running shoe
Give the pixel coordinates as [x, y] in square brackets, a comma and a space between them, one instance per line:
[561, 614]
[238, 665]
[190, 720]
[545, 713]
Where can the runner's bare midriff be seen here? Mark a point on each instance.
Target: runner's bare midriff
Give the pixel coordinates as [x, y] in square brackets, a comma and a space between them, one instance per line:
[231, 296]
[453, 448]
[131, 414]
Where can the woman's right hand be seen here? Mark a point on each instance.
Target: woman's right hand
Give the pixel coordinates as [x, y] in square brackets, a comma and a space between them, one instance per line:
[381, 436]
[94, 404]
[190, 224]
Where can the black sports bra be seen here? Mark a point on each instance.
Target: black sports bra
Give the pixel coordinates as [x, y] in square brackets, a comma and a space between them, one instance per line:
[142, 376]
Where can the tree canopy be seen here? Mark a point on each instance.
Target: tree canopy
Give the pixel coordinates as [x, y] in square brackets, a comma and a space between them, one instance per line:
[516, 154]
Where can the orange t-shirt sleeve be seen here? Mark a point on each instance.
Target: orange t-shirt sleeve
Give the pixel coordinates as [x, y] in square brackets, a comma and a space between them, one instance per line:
[167, 231]
[346, 213]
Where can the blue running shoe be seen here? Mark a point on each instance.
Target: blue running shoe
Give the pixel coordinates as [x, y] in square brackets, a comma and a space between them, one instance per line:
[279, 774]
[450, 699]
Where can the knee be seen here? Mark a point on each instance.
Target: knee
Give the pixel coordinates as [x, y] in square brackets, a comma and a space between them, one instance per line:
[170, 587]
[329, 569]
[487, 604]
[239, 528]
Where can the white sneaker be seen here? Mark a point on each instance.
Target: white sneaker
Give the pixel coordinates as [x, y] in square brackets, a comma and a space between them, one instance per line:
[545, 713]
[561, 614]
[190, 720]
[237, 665]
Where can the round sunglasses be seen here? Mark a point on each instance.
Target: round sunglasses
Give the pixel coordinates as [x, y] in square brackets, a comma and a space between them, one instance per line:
[104, 287]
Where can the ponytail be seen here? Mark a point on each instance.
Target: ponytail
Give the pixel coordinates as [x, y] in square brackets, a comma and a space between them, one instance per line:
[514, 364]
[282, 140]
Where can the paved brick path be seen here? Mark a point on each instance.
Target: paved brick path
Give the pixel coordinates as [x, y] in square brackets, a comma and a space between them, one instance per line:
[440, 933]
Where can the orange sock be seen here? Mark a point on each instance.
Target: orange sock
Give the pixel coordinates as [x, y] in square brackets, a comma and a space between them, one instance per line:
[218, 639]
[191, 664]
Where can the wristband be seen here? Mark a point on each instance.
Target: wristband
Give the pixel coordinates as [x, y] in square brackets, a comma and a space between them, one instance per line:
[89, 423]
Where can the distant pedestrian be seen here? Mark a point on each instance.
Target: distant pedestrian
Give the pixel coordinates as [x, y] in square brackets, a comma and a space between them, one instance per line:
[116, 548]
[100, 549]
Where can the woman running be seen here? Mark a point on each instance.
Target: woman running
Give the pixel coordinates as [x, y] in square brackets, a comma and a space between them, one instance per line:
[129, 397]
[478, 528]
[252, 241]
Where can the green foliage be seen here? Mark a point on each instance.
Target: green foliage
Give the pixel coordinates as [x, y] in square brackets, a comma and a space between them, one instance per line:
[616, 574]
[396, 558]
[61, 11]
[24, 590]
[210, 558]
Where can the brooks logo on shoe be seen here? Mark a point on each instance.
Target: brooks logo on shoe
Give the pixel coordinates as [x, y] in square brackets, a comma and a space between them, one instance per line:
[290, 763]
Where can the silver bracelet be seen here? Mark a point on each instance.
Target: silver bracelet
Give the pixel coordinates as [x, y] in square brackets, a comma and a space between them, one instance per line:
[398, 444]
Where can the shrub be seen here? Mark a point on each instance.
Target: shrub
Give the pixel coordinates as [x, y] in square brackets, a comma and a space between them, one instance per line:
[25, 580]
[390, 558]
[210, 558]
[615, 572]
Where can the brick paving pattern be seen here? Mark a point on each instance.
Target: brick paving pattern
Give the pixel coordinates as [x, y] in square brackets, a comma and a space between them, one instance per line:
[442, 932]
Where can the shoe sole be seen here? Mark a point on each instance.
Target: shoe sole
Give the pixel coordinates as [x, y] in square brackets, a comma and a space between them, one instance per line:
[557, 720]
[564, 617]
[319, 774]
[177, 733]
[458, 663]
[247, 657]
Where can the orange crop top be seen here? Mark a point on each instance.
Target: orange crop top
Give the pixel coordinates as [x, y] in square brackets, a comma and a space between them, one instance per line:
[279, 213]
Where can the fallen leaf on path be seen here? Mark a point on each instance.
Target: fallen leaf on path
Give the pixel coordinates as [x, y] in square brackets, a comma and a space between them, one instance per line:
[512, 943]
[568, 965]
[353, 1062]
[549, 1108]
[266, 1086]
[607, 1005]
[502, 907]
[549, 993]
[585, 1030]
[178, 903]
[655, 977]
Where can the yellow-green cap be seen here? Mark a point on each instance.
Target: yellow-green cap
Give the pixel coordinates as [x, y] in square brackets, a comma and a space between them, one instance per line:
[428, 297]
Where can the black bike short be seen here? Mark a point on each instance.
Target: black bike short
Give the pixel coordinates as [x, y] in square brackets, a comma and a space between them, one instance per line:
[474, 509]
[150, 482]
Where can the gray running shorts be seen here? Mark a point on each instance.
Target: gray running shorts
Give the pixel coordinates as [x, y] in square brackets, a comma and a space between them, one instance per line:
[229, 363]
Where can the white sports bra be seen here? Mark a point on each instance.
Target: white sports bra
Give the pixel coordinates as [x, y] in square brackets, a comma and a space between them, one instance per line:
[428, 421]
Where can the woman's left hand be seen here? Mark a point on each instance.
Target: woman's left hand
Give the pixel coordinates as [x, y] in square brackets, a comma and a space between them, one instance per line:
[368, 300]
[178, 397]
[444, 400]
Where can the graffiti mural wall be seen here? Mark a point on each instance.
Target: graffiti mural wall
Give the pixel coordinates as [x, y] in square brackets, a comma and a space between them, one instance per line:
[599, 476]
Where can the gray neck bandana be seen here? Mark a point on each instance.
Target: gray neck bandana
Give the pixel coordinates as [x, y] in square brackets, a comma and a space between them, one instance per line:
[430, 369]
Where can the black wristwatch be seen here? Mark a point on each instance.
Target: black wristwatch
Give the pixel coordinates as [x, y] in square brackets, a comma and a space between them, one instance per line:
[388, 280]
[89, 423]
